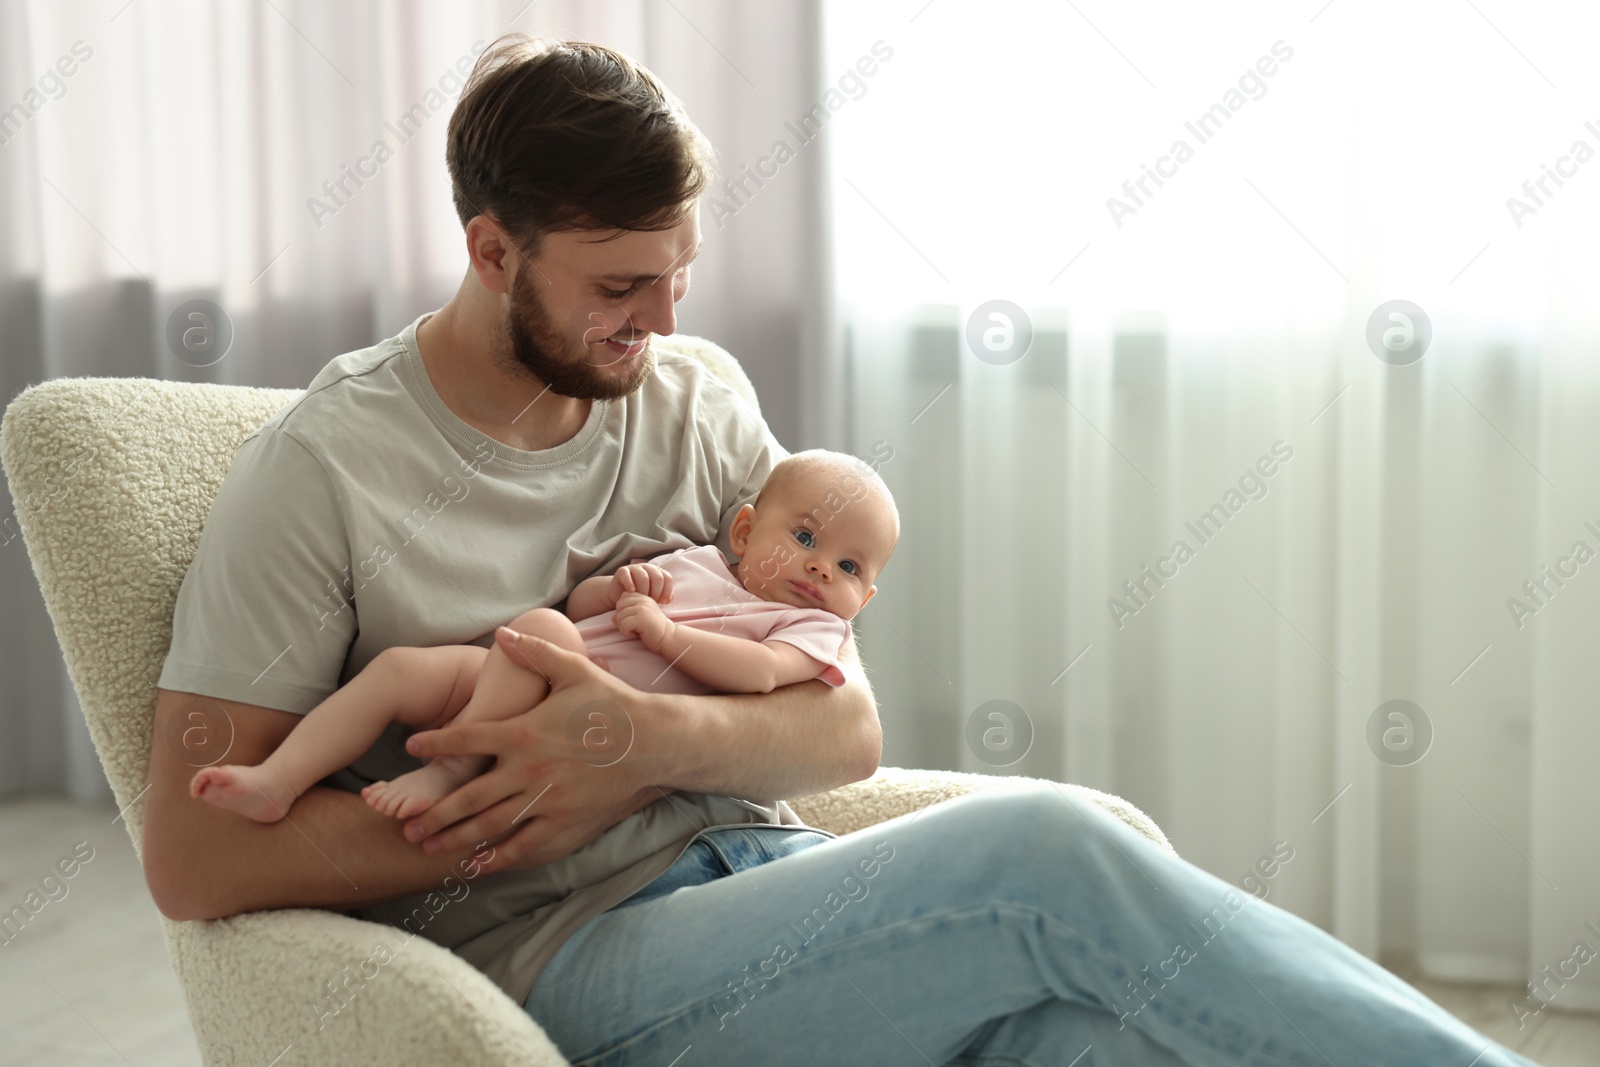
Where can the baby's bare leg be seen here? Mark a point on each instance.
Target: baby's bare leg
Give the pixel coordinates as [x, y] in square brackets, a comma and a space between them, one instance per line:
[420, 687]
[503, 690]
[506, 689]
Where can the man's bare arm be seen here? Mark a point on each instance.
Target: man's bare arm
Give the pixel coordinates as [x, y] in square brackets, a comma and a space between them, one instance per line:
[794, 741]
[333, 851]
[801, 739]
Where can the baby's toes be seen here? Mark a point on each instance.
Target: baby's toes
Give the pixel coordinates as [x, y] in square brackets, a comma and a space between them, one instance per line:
[221, 780]
[410, 806]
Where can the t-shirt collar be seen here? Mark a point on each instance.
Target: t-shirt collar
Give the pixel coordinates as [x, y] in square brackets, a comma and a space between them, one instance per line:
[474, 442]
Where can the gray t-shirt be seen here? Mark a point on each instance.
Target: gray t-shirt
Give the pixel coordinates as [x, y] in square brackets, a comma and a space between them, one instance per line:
[366, 514]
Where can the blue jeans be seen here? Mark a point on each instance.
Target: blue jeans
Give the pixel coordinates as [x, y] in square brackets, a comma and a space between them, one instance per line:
[1017, 927]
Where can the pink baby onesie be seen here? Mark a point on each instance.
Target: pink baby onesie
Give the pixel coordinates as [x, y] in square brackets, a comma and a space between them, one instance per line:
[706, 595]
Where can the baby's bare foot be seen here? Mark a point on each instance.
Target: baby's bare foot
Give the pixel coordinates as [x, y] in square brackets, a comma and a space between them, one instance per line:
[254, 792]
[416, 791]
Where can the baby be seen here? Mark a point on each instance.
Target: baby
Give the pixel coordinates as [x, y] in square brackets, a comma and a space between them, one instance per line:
[809, 548]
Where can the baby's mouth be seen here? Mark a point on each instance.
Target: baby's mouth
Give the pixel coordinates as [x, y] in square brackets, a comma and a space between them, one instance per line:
[806, 588]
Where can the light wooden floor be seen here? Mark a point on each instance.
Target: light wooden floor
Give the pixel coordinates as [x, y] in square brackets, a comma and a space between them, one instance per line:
[87, 982]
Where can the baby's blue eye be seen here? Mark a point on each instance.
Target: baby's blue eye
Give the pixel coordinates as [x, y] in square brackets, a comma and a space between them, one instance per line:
[805, 537]
[849, 566]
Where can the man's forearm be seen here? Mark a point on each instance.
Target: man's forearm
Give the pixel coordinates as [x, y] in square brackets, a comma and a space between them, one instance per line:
[794, 741]
[333, 852]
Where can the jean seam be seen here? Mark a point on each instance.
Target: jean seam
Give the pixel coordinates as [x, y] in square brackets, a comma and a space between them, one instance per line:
[1182, 1015]
[883, 931]
[985, 1059]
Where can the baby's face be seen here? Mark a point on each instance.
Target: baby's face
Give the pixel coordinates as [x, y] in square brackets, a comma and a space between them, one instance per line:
[818, 543]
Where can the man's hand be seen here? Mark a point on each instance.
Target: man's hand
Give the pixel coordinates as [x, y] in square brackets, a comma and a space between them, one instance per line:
[641, 617]
[565, 771]
[645, 578]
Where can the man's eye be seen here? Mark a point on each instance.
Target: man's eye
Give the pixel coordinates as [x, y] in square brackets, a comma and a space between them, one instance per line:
[805, 537]
[619, 294]
[849, 566]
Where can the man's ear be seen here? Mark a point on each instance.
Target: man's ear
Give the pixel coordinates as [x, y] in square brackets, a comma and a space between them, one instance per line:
[490, 252]
[739, 532]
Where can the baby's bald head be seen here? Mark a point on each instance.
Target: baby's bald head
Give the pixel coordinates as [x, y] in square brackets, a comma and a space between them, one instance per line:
[808, 477]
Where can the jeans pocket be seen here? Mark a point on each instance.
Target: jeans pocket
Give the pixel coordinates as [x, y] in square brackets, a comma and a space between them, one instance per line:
[742, 848]
[788, 842]
[699, 864]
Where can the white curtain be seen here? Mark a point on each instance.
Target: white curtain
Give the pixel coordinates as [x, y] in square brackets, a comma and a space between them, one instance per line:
[153, 154]
[1357, 530]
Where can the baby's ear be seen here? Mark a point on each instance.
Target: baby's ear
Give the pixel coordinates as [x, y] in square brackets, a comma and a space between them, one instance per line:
[870, 594]
[739, 532]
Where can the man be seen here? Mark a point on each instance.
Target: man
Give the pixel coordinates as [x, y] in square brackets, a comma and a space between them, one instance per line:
[528, 435]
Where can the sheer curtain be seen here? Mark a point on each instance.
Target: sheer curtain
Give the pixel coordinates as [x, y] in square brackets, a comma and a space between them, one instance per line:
[1196, 502]
[152, 155]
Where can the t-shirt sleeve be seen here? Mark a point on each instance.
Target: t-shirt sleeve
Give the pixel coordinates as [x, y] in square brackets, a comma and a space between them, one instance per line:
[264, 615]
[747, 451]
[820, 635]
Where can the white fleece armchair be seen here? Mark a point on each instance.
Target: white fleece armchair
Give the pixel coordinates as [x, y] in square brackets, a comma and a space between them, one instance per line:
[113, 479]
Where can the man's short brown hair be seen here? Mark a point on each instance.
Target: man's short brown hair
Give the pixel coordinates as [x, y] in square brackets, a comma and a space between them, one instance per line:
[552, 135]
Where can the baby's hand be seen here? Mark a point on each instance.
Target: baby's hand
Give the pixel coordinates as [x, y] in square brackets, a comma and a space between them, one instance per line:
[646, 578]
[641, 617]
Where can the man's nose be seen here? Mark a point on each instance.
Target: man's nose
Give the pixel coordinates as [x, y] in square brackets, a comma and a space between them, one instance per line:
[656, 313]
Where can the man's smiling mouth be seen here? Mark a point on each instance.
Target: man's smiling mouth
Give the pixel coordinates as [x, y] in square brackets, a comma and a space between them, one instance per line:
[631, 348]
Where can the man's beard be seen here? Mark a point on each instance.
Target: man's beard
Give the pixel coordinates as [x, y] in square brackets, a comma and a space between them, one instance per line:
[537, 347]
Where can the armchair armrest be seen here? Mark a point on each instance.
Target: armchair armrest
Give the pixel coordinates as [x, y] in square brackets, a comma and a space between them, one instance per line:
[895, 791]
[338, 990]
